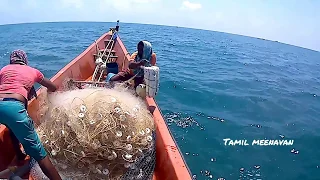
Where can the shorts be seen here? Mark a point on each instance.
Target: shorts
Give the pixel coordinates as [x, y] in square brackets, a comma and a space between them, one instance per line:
[123, 76]
[15, 117]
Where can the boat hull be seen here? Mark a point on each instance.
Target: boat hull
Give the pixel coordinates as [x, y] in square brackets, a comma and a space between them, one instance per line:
[170, 164]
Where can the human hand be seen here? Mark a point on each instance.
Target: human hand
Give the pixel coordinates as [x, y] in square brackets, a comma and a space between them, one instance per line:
[49, 91]
[143, 62]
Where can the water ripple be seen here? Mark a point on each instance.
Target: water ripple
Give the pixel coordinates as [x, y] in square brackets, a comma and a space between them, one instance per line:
[223, 85]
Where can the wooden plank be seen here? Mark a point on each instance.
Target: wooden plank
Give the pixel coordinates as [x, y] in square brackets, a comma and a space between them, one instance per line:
[105, 56]
[108, 50]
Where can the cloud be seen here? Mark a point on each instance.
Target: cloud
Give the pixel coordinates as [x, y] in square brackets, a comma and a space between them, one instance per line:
[187, 5]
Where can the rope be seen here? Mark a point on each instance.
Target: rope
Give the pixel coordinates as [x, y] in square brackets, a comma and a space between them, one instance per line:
[142, 69]
[112, 44]
[101, 55]
[96, 68]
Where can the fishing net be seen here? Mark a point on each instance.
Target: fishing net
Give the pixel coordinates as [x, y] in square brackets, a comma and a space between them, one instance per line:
[97, 133]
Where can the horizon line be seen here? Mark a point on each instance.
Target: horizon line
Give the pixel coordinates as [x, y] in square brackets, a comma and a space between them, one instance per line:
[75, 21]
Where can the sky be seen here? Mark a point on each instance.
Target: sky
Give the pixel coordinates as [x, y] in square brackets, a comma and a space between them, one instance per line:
[293, 22]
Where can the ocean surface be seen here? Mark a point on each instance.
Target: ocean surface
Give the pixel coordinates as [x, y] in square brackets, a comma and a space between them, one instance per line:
[213, 86]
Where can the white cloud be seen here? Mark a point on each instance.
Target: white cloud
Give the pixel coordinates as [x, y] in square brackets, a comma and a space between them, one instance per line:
[187, 5]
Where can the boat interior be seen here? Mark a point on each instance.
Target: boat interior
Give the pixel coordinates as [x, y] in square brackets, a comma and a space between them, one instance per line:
[81, 70]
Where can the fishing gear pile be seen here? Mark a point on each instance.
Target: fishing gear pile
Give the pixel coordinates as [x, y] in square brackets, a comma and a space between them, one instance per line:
[98, 133]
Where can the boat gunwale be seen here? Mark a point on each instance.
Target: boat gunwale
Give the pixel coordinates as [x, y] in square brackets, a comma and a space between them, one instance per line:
[171, 148]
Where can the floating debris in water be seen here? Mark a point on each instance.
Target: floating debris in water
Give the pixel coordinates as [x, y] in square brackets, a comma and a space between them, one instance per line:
[317, 167]
[241, 176]
[221, 178]
[216, 118]
[294, 151]
[181, 121]
[314, 95]
[282, 136]
[256, 125]
[213, 160]
[207, 173]
[187, 153]
[251, 173]
[200, 114]
[194, 177]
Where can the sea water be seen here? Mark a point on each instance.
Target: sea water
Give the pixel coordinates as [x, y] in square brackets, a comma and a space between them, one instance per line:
[213, 86]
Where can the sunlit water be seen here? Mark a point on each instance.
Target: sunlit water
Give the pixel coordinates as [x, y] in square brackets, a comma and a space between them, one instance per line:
[213, 86]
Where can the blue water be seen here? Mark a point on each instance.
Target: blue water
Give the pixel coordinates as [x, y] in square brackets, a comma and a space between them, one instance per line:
[213, 86]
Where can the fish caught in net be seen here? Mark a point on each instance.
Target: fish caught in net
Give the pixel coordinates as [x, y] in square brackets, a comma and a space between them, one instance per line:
[98, 133]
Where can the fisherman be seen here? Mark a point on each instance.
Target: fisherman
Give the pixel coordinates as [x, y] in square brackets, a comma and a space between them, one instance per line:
[143, 57]
[17, 87]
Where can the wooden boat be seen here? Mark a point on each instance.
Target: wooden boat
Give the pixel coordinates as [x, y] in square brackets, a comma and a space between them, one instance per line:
[170, 164]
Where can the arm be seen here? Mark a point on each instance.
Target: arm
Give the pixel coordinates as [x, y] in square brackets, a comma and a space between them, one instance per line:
[135, 65]
[153, 59]
[45, 82]
[48, 84]
[132, 63]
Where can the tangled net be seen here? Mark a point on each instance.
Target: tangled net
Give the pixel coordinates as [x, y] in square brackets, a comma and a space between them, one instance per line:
[98, 133]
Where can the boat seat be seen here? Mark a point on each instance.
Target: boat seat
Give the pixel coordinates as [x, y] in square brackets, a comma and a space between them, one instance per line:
[107, 51]
[112, 56]
[106, 42]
